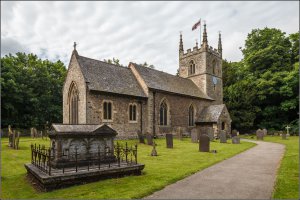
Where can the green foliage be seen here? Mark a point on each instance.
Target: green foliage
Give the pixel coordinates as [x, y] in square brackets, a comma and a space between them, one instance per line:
[168, 167]
[31, 90]
[262, 89]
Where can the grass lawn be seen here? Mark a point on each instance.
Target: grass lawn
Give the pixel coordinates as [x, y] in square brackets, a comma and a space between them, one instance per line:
[287, 183]
[170, 166]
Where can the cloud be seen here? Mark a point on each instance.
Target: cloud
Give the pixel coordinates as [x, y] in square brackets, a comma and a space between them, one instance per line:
[135, 31]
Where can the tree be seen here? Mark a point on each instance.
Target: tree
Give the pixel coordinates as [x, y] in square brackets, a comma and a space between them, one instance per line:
[31, 90]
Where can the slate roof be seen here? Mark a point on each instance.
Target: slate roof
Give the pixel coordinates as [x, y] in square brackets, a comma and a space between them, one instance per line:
[107, 77]
[211, 113]
[166, 82]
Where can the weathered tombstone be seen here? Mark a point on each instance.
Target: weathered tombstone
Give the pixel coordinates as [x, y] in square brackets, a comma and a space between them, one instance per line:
[179, 133]
[283, 136]
[275, 134]
[141, 137]
[233, 133]
[204, 143]
[149, 139]
[236, 140]
[14, 139]
[194, 135]
[10, 136]
[211, 136]
[154, 152]
[265, 131]
[17, 141]
[169, 140]
[259, 134]
[223, 138]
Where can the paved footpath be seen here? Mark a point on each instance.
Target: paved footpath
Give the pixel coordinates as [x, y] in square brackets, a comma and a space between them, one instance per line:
[248, 175]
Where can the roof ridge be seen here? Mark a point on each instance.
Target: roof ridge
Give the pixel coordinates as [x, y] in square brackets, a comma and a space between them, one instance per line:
[104, 62]
[160, 71]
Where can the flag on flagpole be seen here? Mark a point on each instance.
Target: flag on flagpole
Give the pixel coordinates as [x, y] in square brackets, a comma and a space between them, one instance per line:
[196, 25]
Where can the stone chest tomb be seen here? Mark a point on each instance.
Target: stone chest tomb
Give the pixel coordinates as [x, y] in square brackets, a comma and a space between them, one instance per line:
[85, 141]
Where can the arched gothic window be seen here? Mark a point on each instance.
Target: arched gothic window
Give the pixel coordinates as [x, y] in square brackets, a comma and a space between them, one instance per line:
[214, 66]
[191, 115]
[73, 104]
[163, 113]
[191, 67]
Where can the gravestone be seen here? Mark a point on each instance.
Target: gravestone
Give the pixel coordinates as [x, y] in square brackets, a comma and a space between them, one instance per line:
[204, 143]
[154, 152]
[194, 135]
[169, 140]
[179, 133]
[236, 140]
[141, 137]
[259, 134]
[234, 133]
[223, 138]
[275, 134]
[265, 131]
[149, 139]
[10, 136]
[17, 140]
[283, 136]
[211, 136]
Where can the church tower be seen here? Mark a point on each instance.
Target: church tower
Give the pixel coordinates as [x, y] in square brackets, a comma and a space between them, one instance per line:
[203, 65]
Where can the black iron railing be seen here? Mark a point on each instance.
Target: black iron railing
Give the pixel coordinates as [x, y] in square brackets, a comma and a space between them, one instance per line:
[43, 158]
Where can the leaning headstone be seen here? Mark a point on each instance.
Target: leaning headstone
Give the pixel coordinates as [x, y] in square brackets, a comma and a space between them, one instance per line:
[149, 139]
[194, 135]
[283, 136]
[223, 138]
[169, 140]
[234, 133]
[265, 132]
[154, 152]
[10, 136]
[259, 134]
[204, 143]
[236, 140]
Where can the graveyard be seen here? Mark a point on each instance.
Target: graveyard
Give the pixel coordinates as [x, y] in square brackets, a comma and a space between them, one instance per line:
[170, 165]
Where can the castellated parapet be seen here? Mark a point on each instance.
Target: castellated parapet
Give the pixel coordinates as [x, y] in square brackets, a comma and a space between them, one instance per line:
[197, 50]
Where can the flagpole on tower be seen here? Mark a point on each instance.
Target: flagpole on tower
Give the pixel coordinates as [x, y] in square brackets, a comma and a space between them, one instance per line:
[200, 32]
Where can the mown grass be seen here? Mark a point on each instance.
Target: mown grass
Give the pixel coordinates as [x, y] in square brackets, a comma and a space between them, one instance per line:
[287, 181]
[168, 167]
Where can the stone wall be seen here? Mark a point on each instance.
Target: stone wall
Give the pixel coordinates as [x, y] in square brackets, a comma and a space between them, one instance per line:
[74, 75]
[178, 112]
[120, 113]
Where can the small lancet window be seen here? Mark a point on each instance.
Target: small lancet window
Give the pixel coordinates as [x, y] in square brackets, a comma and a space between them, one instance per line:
[132, 112]
[191, 67]
[107, 110]
[191, 115]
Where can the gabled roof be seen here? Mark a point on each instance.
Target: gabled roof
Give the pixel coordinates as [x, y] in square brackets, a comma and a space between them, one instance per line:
[107, 77]
[158, 80]
[87, 129]
[211, 113]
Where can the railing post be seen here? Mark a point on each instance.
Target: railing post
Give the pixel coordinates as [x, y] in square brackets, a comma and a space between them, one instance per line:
[76, 158]
[126, 153]
[135, 154]
[31, 146]
[99, 157]
[49, 161]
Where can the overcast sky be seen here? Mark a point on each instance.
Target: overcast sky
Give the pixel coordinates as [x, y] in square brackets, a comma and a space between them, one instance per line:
[136, 31]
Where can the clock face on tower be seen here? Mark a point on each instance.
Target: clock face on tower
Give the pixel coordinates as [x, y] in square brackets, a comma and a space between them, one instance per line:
[215, 80]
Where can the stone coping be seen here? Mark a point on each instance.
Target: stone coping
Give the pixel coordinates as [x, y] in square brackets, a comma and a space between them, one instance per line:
[57, 179]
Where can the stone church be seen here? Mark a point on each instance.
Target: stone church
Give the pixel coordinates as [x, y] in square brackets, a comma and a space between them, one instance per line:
[137, 99]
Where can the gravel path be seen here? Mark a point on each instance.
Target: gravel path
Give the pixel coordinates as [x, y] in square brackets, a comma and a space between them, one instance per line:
[248, 175]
